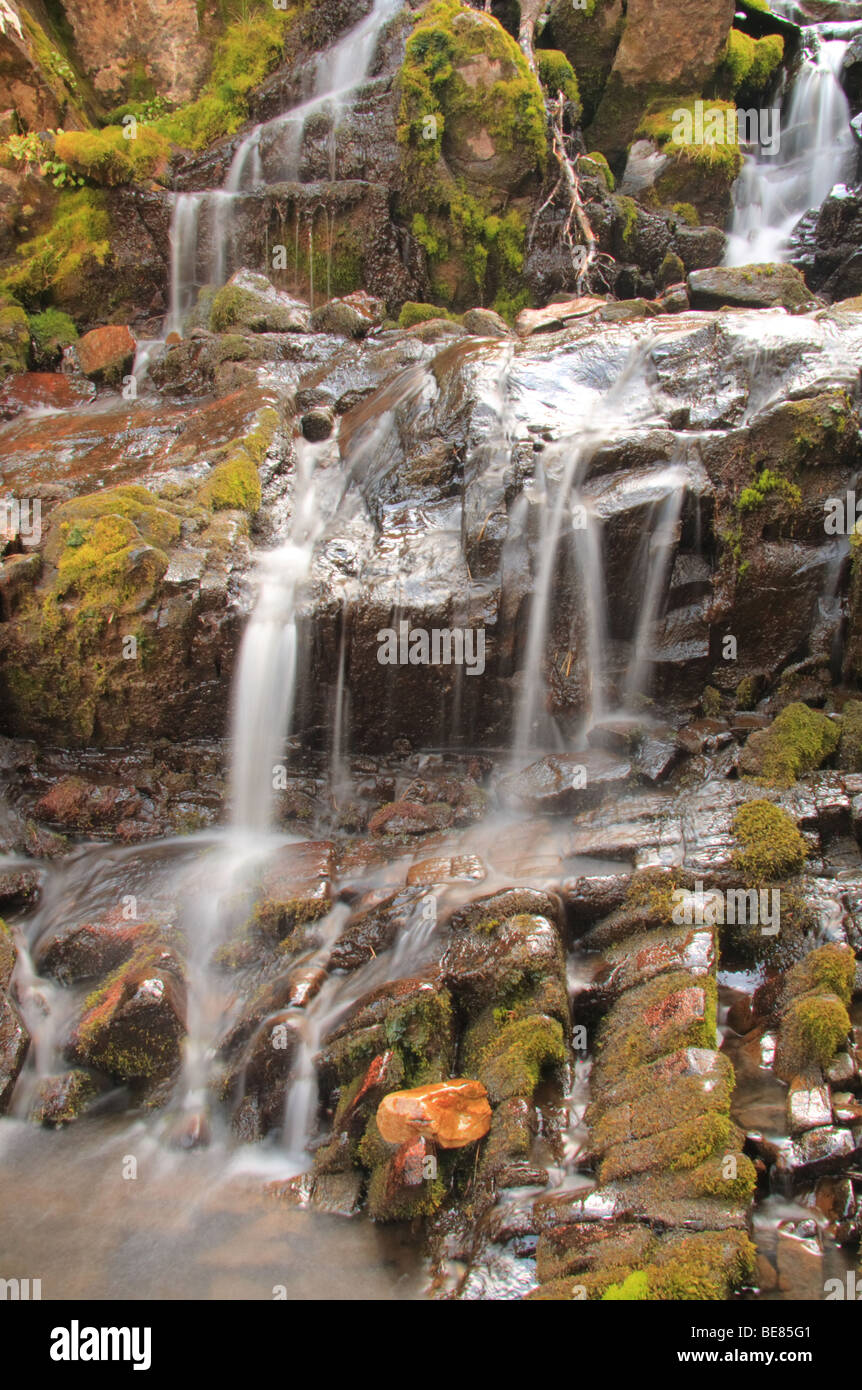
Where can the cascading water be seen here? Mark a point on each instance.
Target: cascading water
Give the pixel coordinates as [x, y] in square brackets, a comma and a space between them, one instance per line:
[268, 155]
[817, 150]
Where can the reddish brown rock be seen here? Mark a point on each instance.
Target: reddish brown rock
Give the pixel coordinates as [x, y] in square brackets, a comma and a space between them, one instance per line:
[454, 1113]
[51, 390]
[106, 353]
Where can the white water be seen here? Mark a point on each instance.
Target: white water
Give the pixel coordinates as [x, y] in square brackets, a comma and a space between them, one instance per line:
[817, 151]
[268, 155]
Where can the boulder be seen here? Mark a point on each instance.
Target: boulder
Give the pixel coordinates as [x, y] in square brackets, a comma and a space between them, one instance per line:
[748, 287]
[106, 354]
[451, 1113]
[133, 1025]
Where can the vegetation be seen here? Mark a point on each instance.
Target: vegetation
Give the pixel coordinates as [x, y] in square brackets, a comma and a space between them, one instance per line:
[769, 846]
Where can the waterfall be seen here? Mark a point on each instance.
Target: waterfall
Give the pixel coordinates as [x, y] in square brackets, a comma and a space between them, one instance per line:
[817, 150]
[269, 154]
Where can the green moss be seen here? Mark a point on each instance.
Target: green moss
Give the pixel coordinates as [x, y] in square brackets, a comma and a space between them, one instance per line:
[768, 844]
[633, 1288]
[831, 969]
[711, 1178]
[513, 1062]
[644, 1024]
[413, 313]
[597, 158]
[750, 63]
[14, 340]
[746, 693]
[702, 1267]
[556, 75]
[51, 331]
[812, 1030]
[769, 484]
[78, 234]
[660, 123]
[687, 213]
[233, 484]
[710, 702]
[799, 740]
[108, 157]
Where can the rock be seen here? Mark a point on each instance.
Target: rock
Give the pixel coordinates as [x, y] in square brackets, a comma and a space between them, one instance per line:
[344, 317]
[318, 424]
[32, 390]
[373, 930]
[14, 339]
[566, 782]
[256, 1083]
[106, 354]
[484, 323]
[666, 46]
[75, 804]
[90, 950]
[800, 1264]
[14, 1046]
[555, 316]
[808, 1107]
[61, 1099]
[165, 39]
[748, 287]
[700, 247]
[410, 818]
[18, 888]
[480, 961]
[453, 1113]
[250, 301]
[133, 1025]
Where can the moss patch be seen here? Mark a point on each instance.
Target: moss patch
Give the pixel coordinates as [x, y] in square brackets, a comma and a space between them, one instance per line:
[55, 259]
[798, 741]
[769, 845]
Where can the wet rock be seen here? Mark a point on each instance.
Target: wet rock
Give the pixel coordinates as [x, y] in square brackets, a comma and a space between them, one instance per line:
[566, 782]
[61, 1099]
[451, 1113]
[800, 1265]
[256, 1084]
[318, 424]
[485, 323]
[250, 301]
[410, 818]
[411, 1018]
[14, 1046]
[106, 354]
[35, 390]
[89, 950]
[337, 1194]
[822, 1150]
[349, 318]
[748, 287]
[481, 961]
[133, 1025]
[76, 804]
[19, 888]
[297, 887]
[459, 868]
[373, 930]
[556, 316]
[808, 1107]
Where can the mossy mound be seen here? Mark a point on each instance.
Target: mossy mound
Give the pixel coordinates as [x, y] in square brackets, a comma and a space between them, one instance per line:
[704, 164]
[750, 65]
[108, 157]
[812, 1030]
[769, 845]
[831, 969]
[51, 332]
[512, 1063]
[14, 340]
[471, 129]
[799, 740]
[413, 312]
[556, 75]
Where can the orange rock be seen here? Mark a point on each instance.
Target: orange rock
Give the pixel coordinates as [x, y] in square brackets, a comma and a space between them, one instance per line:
[106, 352]
[454, 1113]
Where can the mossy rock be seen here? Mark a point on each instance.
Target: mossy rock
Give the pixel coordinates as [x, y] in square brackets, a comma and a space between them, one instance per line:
[813, 1029]
[830, 969]
[556, 75]
[14, 340]
[52, 265]
[799, 740]
[750, 65]
[108, 157]
[768, 843]
[413, 312]
[51, 332]
[471, 129]
[515, 1059]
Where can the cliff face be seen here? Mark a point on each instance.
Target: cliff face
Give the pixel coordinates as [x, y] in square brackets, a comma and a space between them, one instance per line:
[121, 45]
